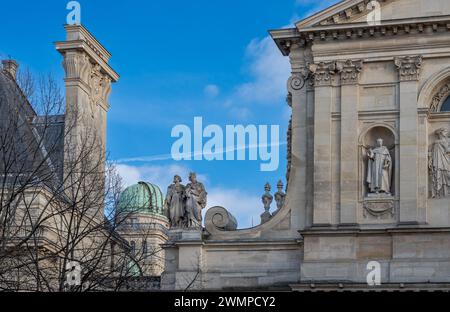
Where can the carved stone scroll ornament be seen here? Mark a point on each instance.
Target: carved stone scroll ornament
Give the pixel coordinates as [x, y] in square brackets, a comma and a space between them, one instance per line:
[299, 79]
[219, 219]
[379, 208]
[439, 98]
[440, 164]
[409, 67]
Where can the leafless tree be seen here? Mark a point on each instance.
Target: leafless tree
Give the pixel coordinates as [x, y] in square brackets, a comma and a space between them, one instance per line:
[53, 198]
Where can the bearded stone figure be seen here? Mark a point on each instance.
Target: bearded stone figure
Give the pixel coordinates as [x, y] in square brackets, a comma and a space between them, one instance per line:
[379, 169]
[175, 202]
[440, 164]
[195, 202]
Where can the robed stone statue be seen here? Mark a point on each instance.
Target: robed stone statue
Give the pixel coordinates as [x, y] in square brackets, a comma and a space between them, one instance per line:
[175, 202]
[379, 169]
[440, 164]
[196, 197]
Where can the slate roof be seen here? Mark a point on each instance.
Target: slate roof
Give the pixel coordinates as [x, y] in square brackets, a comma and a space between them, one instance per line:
[38, 140]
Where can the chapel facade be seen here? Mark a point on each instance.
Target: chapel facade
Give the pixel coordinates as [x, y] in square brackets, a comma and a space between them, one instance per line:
[368, 161]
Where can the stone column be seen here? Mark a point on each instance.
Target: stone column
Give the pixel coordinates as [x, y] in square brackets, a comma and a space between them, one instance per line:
[325, 78]
[409, 71]
[184, 263]
[297, 99]
[88, 79]
[349, 141]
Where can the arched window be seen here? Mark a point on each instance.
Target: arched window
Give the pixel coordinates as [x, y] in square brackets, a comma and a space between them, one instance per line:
[446, 105]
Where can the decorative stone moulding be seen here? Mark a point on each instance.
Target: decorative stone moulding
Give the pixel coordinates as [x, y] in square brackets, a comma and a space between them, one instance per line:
[439, 98]
[378, 207]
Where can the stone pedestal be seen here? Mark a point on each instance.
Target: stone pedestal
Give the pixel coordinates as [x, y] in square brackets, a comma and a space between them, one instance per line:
[265, 217]
[184, 260]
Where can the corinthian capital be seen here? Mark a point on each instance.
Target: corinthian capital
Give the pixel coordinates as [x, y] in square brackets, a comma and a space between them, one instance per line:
[409, 67]
[325, 73]
[351, 71]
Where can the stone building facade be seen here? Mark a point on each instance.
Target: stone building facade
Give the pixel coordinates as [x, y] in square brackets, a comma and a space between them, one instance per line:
[354, 81]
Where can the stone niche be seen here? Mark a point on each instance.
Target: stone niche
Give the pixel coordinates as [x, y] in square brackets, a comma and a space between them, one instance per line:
[380, 207]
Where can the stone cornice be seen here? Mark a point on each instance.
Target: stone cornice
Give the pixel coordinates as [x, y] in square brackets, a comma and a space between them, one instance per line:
[349, 31]
[386, 28]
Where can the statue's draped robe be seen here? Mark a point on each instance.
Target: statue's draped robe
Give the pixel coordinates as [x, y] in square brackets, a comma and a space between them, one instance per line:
[195, 202]
[174, 201]
[379, 170]
[441, 168]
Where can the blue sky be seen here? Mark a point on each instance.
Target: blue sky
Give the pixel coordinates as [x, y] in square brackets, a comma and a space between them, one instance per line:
[177, 60]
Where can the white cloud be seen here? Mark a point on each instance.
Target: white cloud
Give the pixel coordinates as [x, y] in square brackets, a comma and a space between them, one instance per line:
[244, 207]
[211, 91]
[159, 175]
[269, 70]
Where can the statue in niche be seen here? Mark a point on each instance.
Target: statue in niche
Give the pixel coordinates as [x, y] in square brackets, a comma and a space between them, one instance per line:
[379, 169]
[196, 197]
[440, 164]
[174, 203]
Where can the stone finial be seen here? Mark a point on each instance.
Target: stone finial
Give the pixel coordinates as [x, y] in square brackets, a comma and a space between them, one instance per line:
[280, 195]
[267, 200]
[11, 66]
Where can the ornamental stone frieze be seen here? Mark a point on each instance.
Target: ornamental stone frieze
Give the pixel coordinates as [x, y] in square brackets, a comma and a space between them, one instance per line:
[351, 71]
[409, 67]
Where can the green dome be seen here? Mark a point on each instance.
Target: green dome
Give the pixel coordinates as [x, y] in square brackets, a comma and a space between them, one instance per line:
[144, 198]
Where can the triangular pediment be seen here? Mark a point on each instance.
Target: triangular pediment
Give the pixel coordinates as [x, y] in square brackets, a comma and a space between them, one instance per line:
[356, 11]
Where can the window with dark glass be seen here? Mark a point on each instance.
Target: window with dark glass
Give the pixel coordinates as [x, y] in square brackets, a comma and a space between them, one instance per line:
[133, 247]
[446, 105]
[144, 247]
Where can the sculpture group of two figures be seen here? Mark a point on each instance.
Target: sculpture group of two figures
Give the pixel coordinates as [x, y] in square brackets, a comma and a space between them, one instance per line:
[184, 204]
